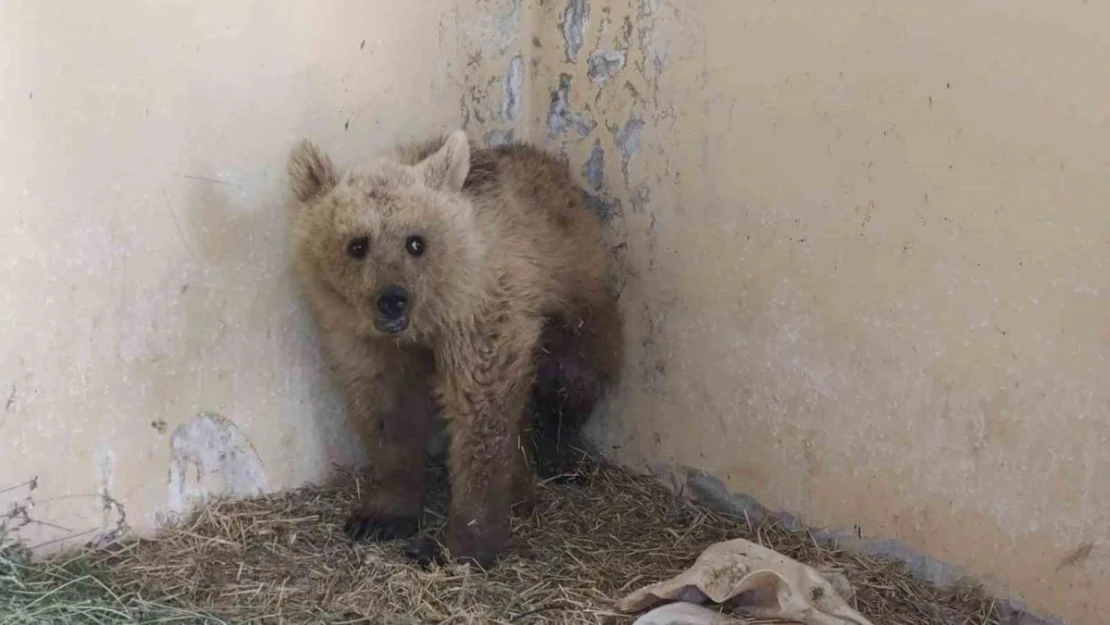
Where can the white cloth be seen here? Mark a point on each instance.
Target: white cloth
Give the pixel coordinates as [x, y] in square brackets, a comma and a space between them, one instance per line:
[755, 581]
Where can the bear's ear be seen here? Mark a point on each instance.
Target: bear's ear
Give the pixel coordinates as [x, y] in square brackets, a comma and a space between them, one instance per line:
[311, 173]
[448, 167]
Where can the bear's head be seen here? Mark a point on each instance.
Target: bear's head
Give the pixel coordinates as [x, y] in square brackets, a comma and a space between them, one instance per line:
[387, 248]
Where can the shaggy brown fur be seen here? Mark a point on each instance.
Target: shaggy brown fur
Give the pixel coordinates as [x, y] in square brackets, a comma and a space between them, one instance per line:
[472, 281]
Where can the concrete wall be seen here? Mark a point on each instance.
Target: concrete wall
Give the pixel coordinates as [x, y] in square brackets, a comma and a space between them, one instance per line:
[152, 347]
[867, 252]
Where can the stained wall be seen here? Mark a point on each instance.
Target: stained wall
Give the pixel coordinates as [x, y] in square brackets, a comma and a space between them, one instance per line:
[866, 251]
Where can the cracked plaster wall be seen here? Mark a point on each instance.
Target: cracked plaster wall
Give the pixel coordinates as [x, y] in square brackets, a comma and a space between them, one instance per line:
[153, 350]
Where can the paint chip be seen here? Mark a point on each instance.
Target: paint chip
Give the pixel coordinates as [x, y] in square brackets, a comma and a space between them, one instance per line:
[560, 117]
[214, 449]
[593, 172]
[575, 19]
[514, 85]
[628, 139]
[603, 65]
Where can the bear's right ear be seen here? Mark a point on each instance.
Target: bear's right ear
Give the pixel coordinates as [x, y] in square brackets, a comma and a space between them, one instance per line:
[448, 167]
[311, 173]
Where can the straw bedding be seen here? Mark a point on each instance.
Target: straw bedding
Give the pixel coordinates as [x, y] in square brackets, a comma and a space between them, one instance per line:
[285, 559]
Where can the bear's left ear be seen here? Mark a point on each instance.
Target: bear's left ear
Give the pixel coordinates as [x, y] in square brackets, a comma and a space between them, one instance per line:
[311, 173]
[447, 168]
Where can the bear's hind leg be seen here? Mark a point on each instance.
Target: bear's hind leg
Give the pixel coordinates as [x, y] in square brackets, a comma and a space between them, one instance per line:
[580, 360]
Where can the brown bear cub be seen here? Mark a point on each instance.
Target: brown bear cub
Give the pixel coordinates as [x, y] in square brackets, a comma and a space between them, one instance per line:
[466, 283]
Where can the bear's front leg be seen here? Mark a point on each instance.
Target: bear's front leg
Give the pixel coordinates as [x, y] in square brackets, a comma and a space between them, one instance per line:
[395, 416]
[485, 381]
[391, 510]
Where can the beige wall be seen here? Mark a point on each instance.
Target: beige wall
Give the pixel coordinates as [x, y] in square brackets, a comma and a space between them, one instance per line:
[868, 266]
[149, 329]
[865, 249]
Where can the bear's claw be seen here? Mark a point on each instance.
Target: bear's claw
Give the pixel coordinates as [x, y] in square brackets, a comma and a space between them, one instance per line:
[372, 527]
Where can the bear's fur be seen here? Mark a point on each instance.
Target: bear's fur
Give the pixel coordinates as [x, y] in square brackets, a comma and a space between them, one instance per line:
[507, 314]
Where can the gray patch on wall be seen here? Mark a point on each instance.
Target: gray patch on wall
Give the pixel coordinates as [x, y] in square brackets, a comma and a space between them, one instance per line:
[514, 84]
[602, 207]
[559, 115]
[593, 173]
[594, 169]
[713, 493]
[211, 446]
[511, 21]
[575, 19]
[498, 138]
[627, 138]
[603, 65]
[464, 113]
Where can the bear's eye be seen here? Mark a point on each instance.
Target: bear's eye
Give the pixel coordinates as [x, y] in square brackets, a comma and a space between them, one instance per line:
[414, 245]
[358, 247]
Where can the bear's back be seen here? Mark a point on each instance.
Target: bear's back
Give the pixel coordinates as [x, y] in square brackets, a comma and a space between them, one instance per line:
[528, 201]
[543, 209]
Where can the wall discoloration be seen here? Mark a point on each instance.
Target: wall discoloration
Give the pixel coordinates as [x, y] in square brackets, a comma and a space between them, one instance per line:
[604, 207]
[560, 117]
[210, 455]
[593, 172]
[627, 138]
[492, 40]
[514, 86]
[576, 18]
[600, 202]
[603, 65]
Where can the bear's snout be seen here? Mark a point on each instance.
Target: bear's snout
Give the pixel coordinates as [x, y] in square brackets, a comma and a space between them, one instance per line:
[392, 304]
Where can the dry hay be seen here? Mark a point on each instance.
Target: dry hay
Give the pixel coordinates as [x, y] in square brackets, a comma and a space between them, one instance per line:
[284, 558]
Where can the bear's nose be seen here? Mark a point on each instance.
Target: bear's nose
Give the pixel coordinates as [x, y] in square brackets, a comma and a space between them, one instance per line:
[392, 301]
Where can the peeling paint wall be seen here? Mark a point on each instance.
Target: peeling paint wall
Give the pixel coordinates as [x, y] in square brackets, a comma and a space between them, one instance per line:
[153, 350]
[867, 264]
